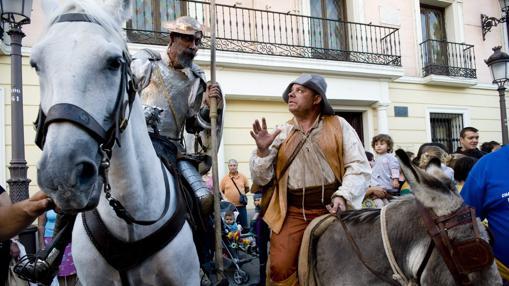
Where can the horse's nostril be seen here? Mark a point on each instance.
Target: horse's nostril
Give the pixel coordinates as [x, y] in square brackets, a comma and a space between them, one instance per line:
[85, 173]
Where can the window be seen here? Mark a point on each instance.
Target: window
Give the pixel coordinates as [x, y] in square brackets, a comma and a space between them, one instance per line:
[328, 34]
[434, 40]
[445, 129]
[150, 15]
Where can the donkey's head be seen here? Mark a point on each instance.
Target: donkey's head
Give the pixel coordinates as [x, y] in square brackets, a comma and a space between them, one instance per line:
[80, 62]
[431, 186]
[436, 191]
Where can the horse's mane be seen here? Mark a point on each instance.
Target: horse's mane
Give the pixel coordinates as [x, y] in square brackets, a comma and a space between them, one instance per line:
[371, 215]
[360, 216]
[99, 15]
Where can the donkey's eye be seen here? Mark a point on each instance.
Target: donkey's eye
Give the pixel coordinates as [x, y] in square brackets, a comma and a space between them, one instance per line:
[33, 64]
[115, 63]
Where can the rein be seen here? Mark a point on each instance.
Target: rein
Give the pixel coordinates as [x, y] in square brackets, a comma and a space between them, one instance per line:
[66, 112]
[360, 256]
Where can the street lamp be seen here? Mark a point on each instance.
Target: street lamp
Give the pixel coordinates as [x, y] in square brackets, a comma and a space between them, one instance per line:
[16, 13]
[489, 22]
[498, 63]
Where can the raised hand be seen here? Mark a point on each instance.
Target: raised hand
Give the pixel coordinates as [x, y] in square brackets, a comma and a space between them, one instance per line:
[262, 137]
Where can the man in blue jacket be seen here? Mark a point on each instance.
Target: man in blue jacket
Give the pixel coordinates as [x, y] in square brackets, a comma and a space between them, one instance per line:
[486, 189]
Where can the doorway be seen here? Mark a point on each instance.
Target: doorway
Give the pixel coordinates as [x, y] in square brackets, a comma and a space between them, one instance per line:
[355, 119]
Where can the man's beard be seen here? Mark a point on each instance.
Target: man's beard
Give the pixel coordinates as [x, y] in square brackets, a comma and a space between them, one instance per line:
[185, 59]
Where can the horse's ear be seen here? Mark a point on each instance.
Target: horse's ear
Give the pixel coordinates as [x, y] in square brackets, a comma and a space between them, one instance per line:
[430, 187]
[50, 8]
[408, 169]
[120, 9]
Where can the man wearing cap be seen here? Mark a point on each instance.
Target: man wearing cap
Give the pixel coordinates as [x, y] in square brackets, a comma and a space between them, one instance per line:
[316, 163]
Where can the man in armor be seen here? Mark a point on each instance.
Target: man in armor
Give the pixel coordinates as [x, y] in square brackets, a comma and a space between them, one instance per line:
[175, 96]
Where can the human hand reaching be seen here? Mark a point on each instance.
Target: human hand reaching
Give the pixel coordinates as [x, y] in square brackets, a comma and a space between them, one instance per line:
[263, 137]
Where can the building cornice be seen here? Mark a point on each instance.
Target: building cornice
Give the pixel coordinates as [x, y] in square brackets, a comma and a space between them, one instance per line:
[280, 63]
[420, 80]
[263, 62]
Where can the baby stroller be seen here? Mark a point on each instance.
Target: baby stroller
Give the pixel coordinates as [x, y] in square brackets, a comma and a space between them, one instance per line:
[236, 250]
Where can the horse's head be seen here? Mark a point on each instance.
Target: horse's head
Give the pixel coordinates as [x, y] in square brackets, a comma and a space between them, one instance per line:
[81, 62]
[431, 186]
[466, 252]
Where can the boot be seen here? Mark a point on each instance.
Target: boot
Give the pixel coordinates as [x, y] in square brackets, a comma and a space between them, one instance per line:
[43, 266]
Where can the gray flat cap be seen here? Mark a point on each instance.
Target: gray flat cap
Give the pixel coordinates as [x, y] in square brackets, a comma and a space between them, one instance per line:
[317, 84]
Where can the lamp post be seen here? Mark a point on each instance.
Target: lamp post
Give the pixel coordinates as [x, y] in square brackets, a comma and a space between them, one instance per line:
[498, 63]
[16, 13]
[489, 22]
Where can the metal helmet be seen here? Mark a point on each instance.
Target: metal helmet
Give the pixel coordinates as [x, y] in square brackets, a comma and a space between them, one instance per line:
[185, 25]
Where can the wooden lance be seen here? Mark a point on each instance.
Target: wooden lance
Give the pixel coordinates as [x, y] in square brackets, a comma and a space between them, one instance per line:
[213, 123]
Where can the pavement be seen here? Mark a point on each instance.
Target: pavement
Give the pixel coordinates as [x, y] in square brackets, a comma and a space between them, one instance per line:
[251, 268]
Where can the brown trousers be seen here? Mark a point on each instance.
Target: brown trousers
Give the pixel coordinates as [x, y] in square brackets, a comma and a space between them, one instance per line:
[285, 246]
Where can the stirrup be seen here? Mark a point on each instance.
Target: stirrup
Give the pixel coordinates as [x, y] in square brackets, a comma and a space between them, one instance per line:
[39, 268]
[43, 266]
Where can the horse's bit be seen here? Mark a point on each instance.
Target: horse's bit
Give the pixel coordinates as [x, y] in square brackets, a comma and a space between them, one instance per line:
[66, 112]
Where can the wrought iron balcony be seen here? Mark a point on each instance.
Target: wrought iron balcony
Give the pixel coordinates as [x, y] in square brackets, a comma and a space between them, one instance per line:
[449, 59]
[283, 34]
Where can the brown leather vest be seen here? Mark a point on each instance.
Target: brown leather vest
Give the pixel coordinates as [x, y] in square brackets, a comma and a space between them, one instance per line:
[330, 142]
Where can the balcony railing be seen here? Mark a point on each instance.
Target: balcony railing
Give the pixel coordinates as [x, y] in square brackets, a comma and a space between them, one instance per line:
[283, 34]
[449, 59]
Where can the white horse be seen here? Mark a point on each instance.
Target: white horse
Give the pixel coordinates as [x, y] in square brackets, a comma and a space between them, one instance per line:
[81, 63]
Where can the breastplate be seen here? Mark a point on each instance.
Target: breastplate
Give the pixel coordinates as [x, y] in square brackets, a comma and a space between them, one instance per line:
[171, 90]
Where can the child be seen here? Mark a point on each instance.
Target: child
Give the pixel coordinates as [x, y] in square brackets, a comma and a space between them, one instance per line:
[385, 174]
[234, 233]
[229, 221]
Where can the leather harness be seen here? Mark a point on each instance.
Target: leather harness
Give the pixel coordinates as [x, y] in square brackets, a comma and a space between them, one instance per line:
[461, 257]
[123, 255]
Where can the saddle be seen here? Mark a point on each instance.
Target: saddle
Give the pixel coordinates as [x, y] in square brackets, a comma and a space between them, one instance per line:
[307, 257]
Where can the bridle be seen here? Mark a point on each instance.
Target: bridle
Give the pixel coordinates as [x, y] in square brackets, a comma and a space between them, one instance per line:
[461, 257]
[106, 138]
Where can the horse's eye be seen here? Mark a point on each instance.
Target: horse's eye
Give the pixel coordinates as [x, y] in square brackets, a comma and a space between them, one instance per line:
[115, 63]
[33, 64]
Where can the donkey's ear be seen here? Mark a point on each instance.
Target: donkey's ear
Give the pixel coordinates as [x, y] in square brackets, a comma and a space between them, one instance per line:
[407, 167]
[119, 9]
[50, 8]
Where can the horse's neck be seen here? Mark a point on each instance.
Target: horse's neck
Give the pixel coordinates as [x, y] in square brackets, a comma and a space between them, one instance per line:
[136, 179]
[407, 235]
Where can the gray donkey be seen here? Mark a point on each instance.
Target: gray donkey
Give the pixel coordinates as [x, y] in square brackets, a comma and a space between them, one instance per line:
[337, 263]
